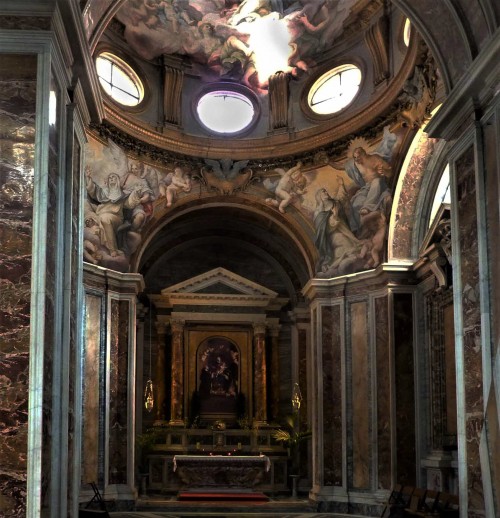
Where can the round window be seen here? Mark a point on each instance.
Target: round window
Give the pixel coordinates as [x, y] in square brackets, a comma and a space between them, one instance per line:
[119, 79]
[334, 90]
[225, 111]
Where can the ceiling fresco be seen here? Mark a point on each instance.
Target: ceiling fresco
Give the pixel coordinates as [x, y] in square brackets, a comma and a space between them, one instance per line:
[245, 41]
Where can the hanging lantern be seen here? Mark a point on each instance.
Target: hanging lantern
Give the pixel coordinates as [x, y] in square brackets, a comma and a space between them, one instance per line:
[296, 398]
[149, 400]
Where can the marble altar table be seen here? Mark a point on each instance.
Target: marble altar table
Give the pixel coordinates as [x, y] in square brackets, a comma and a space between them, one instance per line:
[221, 472]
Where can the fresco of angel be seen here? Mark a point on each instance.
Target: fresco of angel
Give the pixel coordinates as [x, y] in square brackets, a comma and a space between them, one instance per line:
[291, 185]
[178, 181]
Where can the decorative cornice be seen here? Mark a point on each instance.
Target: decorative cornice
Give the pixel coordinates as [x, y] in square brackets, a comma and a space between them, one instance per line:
[479, 83]
[331, 136]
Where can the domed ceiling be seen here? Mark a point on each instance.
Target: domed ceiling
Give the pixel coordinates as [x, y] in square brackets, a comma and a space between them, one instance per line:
[272, 57]
[246, 40]
[319, 182]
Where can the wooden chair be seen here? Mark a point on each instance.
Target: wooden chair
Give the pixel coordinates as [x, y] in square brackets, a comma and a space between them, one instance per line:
[96, 501]
[417, 502]
[397, 501]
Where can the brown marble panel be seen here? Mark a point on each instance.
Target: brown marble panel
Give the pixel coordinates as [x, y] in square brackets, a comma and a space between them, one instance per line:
[360, 380]
[91, 389]
[471, 322]
[405, 389]
[17, 148]
[177, 385]
[383, 393]
[260, 376]
[332, 395]
[118, 388]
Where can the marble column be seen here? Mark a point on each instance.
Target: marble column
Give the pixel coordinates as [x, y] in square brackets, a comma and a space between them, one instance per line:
[177, 393]
[275, 372]
[160, 375]
[260, 374]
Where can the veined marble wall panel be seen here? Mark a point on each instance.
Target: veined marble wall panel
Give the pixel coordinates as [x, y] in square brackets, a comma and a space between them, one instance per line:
[405, 389]
[491, 148]
[17, 148]
[302, 345]
[118, 391]
[316, 407]
[383, 393]
[92, 386]
[471, 325]
[332, 395]
[360, 380]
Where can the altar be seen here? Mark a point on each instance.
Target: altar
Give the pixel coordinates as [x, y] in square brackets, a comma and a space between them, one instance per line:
[224, 472]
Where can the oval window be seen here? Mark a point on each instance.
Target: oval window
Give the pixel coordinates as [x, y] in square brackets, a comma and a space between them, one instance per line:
[225, 111]
[119, 80]
[334, 90]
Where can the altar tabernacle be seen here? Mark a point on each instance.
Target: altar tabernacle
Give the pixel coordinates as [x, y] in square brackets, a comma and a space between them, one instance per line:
[224, 472]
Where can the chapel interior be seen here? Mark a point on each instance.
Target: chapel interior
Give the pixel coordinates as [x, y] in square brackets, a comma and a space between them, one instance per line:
[256, 234]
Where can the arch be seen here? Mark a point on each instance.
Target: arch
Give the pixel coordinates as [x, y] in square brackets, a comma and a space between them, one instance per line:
[283, 234]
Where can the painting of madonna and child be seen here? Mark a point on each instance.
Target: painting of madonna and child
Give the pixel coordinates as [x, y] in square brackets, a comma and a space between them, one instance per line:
[242, 40]
[218, 369]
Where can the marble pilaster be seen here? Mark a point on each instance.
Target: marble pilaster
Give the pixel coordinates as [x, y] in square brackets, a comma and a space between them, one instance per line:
[332, 395]
[275, 372]
[471, 373]
[404, 389]
[160, 374]
[260, 374]
[382, 352]
[118, 385]
[177, 391]
[360, 392]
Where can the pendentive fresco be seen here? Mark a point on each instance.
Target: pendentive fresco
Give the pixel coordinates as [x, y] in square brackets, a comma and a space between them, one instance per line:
[346, 203]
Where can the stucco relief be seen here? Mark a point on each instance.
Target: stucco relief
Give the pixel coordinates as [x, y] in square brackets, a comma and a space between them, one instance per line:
[346, 202]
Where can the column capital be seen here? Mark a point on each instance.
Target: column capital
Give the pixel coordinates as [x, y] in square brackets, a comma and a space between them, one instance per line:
[161, 328]
[177, 325]
[259, 328]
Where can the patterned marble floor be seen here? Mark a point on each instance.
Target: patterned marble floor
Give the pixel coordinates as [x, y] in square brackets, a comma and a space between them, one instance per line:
[200, 514]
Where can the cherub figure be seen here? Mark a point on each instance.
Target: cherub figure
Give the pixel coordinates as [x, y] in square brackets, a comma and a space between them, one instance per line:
[292, 183]
[92, 246]
[179, 181]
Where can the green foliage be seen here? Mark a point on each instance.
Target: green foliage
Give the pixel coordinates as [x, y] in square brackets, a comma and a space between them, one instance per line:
[288, 435]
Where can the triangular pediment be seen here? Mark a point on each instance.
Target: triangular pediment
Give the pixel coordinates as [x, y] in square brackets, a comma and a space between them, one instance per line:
[217, 281]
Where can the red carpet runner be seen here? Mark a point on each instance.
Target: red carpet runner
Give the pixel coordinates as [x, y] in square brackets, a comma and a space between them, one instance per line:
[222, 497]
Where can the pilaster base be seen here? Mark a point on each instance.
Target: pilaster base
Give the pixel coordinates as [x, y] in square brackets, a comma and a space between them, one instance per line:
[177, 423]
